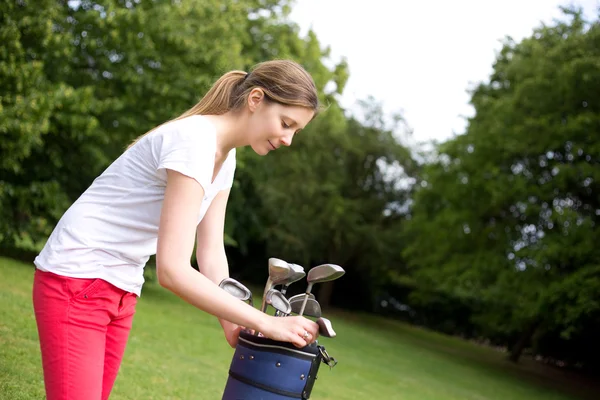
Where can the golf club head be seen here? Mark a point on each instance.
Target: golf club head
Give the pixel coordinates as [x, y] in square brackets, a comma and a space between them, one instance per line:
[312, 308]
[298, 268]
[236, 289]
[318, 274]
[297, 275]
[325, 328]
[324, 273]
[279, 271]
[301, 297]
[297, 297]
[278, 301]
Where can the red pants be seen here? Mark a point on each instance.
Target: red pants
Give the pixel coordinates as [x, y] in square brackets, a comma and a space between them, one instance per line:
[83, 326]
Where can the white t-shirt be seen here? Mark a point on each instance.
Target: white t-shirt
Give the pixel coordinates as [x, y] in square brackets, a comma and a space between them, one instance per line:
[111, 231]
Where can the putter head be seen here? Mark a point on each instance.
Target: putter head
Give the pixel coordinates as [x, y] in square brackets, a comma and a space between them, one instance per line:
[325, 273]
[312, 309]
[278, 301]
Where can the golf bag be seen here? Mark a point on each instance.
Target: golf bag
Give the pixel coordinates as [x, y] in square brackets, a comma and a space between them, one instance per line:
[265, 369]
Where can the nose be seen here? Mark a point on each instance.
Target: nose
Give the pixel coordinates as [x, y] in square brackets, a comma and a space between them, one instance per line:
[287, 140]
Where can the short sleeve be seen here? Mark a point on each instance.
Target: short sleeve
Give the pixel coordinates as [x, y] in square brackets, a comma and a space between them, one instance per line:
[189, 148]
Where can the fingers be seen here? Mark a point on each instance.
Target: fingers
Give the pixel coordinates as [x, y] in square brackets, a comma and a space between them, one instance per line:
[298, 341]
[305, 337]
[308, 331]
[297, 330]
[311, 327]
[232, 336]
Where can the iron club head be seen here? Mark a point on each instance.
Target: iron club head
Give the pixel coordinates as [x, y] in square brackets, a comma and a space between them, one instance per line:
[312, 309]
[236, 289]
[278, 301]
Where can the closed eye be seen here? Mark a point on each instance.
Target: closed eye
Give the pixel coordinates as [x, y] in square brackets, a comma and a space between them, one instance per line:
[285, 125]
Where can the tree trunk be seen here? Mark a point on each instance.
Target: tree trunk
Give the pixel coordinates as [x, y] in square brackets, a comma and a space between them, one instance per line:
[524, 339]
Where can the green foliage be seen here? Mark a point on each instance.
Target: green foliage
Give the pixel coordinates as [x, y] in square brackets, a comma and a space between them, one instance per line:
[82, 80]
[35, 110]
[331, 197]
[508, 216]
[99, 74]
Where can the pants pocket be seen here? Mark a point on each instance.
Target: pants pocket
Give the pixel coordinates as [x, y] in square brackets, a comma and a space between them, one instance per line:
[81, 289]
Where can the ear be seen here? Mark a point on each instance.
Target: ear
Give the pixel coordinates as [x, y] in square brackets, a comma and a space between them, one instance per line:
[255, 98]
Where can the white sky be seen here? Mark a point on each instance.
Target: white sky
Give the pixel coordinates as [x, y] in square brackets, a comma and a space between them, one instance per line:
[421, 56]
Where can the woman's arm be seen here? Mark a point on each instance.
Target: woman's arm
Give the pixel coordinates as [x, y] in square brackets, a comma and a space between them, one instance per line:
[210, 247]
[183, 197]
[210, 253]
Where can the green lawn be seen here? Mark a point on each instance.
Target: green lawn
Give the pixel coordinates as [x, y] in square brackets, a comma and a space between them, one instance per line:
[178, 352]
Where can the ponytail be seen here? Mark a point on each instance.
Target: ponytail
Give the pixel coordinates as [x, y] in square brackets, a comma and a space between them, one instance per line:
[218, 100]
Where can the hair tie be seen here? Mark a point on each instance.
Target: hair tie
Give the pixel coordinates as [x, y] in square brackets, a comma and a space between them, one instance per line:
[245, 76]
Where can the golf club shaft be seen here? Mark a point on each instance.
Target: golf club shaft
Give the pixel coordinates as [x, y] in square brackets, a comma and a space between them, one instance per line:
[308, 289]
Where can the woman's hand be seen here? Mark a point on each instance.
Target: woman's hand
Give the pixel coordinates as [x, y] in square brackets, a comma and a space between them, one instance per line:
[297, 330]
[231, 331]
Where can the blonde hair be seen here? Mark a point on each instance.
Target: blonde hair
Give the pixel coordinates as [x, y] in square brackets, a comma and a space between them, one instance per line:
[283, 81]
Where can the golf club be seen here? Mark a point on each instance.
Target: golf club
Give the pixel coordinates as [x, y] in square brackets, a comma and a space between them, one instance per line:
[319, 274]
[312, 309]
[298, 274]
[325, 328]
[279, 271]
[236, 289]
[301, 296]
[278, 301]
[294, 277]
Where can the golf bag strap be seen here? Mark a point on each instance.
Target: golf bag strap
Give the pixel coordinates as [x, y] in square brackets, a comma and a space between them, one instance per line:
[264, 387]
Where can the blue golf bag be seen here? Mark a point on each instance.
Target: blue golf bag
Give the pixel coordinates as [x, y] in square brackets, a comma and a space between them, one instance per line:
[265, 369]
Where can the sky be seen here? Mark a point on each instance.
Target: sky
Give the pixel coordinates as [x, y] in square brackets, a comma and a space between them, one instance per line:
[420, 57]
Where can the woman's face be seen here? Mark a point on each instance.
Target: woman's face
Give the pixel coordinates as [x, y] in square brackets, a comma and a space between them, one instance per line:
[273, 125]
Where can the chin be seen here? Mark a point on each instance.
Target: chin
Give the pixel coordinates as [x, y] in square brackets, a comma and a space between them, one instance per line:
[261, 151]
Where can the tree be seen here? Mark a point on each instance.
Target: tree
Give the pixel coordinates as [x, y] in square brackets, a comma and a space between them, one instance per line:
[507, 217]
[82, 79]
[33, 176]
[333, 198]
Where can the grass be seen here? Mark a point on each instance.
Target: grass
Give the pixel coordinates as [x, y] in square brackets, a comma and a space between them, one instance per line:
[178, 352]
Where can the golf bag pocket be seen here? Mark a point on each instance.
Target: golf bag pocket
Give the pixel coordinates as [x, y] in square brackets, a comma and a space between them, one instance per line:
[264, 369]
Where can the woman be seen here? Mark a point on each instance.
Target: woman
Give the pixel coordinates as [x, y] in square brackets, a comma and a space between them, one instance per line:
[169, 188]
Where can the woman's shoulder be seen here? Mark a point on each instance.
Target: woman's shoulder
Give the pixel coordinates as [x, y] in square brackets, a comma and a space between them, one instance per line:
[191, 125]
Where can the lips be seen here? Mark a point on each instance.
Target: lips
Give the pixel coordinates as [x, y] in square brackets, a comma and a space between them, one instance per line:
[274, 148]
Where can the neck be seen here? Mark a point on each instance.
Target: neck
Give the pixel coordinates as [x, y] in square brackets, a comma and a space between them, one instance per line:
[229, 131]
